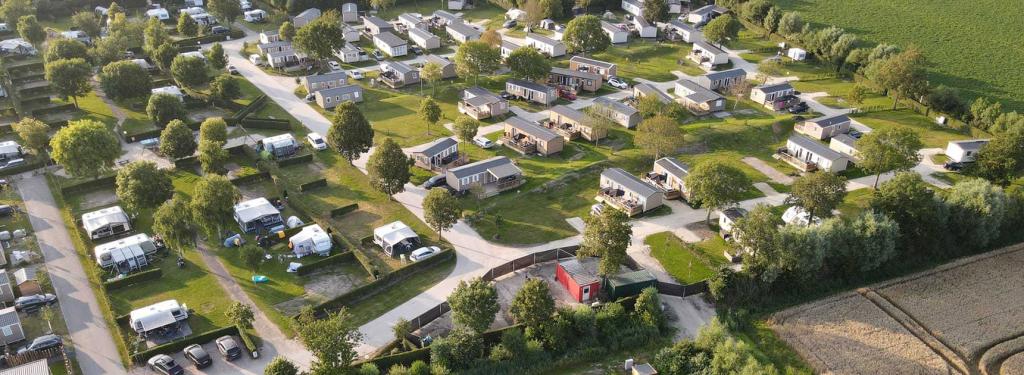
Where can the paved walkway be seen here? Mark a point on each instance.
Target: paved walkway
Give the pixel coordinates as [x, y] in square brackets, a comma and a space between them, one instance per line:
[768, 170]
[95, 349]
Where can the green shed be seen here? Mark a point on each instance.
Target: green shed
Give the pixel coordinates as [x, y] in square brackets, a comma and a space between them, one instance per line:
[629, 284]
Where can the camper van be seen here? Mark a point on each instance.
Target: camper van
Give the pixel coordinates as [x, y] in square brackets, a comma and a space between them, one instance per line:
[311, 239]
[158, 316]
[127, 254]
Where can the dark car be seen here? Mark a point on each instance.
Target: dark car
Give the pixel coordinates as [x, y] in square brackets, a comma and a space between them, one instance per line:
[855, 134]
[509, 24]
[799, 108]
[228, 347]
[505, 95]
[41, 343]
[377, 55]
[34, 302]
[219, 30]
[953, 166]
[164, 364]
[436, 181]
[198, 355]
[416, 50]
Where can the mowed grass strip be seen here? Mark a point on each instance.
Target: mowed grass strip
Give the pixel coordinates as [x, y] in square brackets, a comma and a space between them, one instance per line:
[679, 258]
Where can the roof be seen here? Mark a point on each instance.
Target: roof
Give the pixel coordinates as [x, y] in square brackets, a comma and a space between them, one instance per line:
[279, 43]
[142, 240]
[274, 54]
[584, 273]
[542, 39]
[531, 129]
[785, 86]
[168, 90]
[734, 213]
[424, 34]
[608, 26]
[482, 100]
[255, 208]
[4, 279]
[24, 274]
[629, 181]
[651, 90]
[679, 24]
[389, 228]
[446, 15]
[628, 278]
[505, 170]
[99, 218]
[390, 39]
[845, 139]
[591, 61]
[477, 91]
[826, 121]
[529, 85]
[509, 45]
[435, 147]
[443, 62]
[349, 7]
[970, 144]
[38, 367]
[815, 147]
[707, 47]
[462, 29]
[397, 66]
[616, 106]
[9, 316]
[673, 166]
[725, 74]
[700, 94]
[376, 21]
[481, 166]
[569, 113]
[644, 369]
[641, 21]
[707, 9]
[9, 147]
[574, 73]
[325, 77]
[410, 17]
[340, 90]
[309, 13]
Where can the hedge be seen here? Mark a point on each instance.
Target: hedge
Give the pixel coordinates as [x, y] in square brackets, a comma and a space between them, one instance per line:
[253, 106]
[108, 181]
[176, 346]
[371, 270]
[340, 211]
[186, 162]
[247, 342]
[146, 275]
[295, 160]
[199, 40]
[265, 123]
[55, 109]
[306, 269]
[404, 358]
[313, 185]
[250, 178]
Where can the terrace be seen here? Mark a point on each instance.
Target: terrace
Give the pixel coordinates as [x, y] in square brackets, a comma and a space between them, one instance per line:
[804, 166]
[392, 79]
[567, 131]
[616, 198]
[519, 142]
[660, 181]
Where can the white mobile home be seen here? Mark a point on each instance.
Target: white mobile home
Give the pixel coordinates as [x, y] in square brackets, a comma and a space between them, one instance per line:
[126, 254]
[807, 154]
[390, 44]
[257, 214]
[350, 54]
[628, 193]
[707, 55]
[10, 150]
[682, 30]
[107, 222]
[634, 7]
[349, 12]
[507, 47]
[643, 28]
[375, 25]
[617, 34]
[548, 46]
[846, 145]
[350, 34]
[531, 91]
[444, 18]
[965, 151]
[583, 64]
[310, 240]
[461, 32]
[721, 80]
[425, 39]
[669, 175]
[617, 111]
[156, 316]
[706, 13]
[411, 21]
[304, 18]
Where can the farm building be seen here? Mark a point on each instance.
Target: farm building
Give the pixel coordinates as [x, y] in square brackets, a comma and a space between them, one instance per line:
[641, 90]
[722, 80]
[629, 284]
[279, 146]
[669, 176]
[531, 91]
[425, 39]
[375, 25]
[574, 81]
[396, 238]
[774, 96]
[349, 12]
[571, 124]
[583, 64]
[579, 278]
[310, 240]
[107, 222]
[617, 111]
[965, 151]
[494, 175]
[443, 18]
[617, 34]
[28, 284]
[396, 74]
[6, 291]
[480, 104]
[410, 21]
[440, 154]
[330, 98]
[461, 32]
[391, 44]
[628, 193]
[845, 144]
[447, 66]
[698, 99]
[507, 47]
[10, 328]
[10, 150]
[330, 80]
[257, 214]
[677, 29]
[304, 18]
[127, 254]
[547, 46]
[706, 13]
[727, 218]
[528, 137]
[643, 28]
[808, 155]
[707, 55]
[824, 127]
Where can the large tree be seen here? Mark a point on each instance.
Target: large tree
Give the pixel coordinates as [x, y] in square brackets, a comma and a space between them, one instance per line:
[1002, 159]
[659, 136]
[142, 185]
[212, 156]
[431, 73]
[721, 29]
[466, 128]
[189, 71]
[30, 30]
[213, 202]
[332, 340]
[64, 48]
[240, 314]
[213, 129]
[187, 26]
[715, 185]
[320, 38]
[173, 222]
[69, 77]
[441, 210]
[164, 56]
[474, 58]
[474, 304]
[388, 168]
[791, 23]
[607, 236]
[887, 149]
[225, 88]
[12, 10]
[492, 37]
[125, 80]
[155, 35]
[528, 63]
[177, 141]
[287, 31]
[430, 112]
[85, 148]
[350, 133]
[911, 203]
[757, 236]
[976, 212]
[532, 305]
[818, 193]
[164, 108]
[281, 366]
[216, 56]
[87, 22]
[34, 134]
[584, 34]
[903, 74]
[655, 10]
[227, 10]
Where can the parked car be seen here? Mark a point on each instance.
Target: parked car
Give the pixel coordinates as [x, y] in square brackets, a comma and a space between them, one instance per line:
[256, 60]
[41, 343]
[617, 82]
[509, 24]
[855, 134]
[14, 163]
[228, 347]
[596, 208]
[566, 94]
[164, 364]
[232, 70]
[334, 65]
[219, 30]
[482, 142]
[424, 253]
[436, 181]
[953, 166]
[198, 355]
[310, 98]
[799, 108]
[377, 55]
[317, 141]
[355, 74]
[34, 302]
[416, 50]
[505, 95]
[6, 209]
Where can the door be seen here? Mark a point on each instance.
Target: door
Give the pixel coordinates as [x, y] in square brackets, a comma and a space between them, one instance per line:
[586, 293]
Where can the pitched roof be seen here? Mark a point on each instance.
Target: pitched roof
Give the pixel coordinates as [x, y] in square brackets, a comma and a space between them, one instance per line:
[608, 26]
[542, 39]
[616, 106]
[443, 62]
[435, 147]
[673, 166]
[254, 209]
[629, 182]
[589, 61]
[9, 316]
[815, 147]
[446, 15]
[376, 21]
[827, 121]
[330, 76]
[38, 367]
[785, 86]
[24, 274]
[679, 24]
[481, 166]
[725, 74]
[707, 47]
[397, 66]
[970, 144]
[390, 39]
[707, 9]
[309, 13]
[423, 34]
[734, 213]
[477, 91]
[531, 129]
[845, 139]
[651, 90]
[641, 21]
[462, 29]
[574, 73]
[700, 94]
[569, 113]
[4, 279]
[340, 90]
[529, 85]
[410, 18]
[509, 45]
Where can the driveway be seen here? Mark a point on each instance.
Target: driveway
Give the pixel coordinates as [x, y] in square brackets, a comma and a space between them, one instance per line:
[95, 349]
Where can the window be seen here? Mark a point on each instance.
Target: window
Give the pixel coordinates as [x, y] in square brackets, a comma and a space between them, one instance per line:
[328, 99]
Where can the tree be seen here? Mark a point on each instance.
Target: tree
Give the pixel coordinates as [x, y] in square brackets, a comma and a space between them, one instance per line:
[790, 23]
[177, 141]
[155, 35]
[401, 329]
[1002, 159]
[534, 12]
[532, 305]
[213, 202]
[240, 314]
[281, 366]
[528, 63]
[34, 134]
[87, 22]
[903, 74]
[606, 235]
[758, 231]
[228, 10]
[332, 340]
[213, 129]
[216, 56]
[946, 100]
[682, 358]
[441, 210]
[772, 19]
[911, 203]
[721, 29]
[189, 71]
[287, 31]
[431, 72]
[225, 88]
[648, 307]
[163, 108]
[658, 136]
[551, 9]
[388, 168]
[650, 106]
[321, 37]
[716, 185]
[252, 256]
[187, 26]
[142, 185]
[12, 10]
[430, 112]
[69, 77]
[818, 193]
[889, 149]
[125, 80]
[475, 57]
[976, 211]
[492, 37]
[655, 10]
[984, 113]
[457, 350]
[466, 128]
[85, 147]
[584, 34]
[840, 50]
[857, 94]
[350, 134]
[474, 304]
[109, 49]
[382, 5]
[64, 48]
[1007, 121]
[173, 222]
[212, 156]
[164, 56]
[30, 30]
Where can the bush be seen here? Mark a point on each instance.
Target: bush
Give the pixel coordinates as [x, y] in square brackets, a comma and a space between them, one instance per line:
[313, 185]
[247, 340]
[151, 274]
[188, 42]
[253, 106]
[341, 211]
[405, 358]
[249, 177]
[457, 350]
[328, 261]
[21, 168]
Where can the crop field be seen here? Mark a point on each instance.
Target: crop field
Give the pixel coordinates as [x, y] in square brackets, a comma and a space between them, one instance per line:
[962, 317]
[972, 45]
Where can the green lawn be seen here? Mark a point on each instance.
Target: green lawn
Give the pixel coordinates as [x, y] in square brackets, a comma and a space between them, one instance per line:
[371, 308]
[687, 263]
[750, 40]
[855, 202]
[769, 348]
[951, 178]
[932, 134]
[650, 60]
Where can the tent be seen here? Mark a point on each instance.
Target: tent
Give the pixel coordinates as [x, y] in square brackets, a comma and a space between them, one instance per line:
[396, 238]
[280, 145]
[256, 214]
[796, 215]
[157, 315]
[311, 239]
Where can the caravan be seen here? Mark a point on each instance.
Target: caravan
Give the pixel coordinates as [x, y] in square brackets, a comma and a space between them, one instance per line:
[279, 146]
[396, 238]
[158, 316]
[311, 239]
[254, 16]
[127, 254]
[104, 223]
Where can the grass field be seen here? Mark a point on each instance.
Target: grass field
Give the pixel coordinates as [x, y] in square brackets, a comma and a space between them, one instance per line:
[686, 263]
[932, 134]
[649, 60]
[972, 45]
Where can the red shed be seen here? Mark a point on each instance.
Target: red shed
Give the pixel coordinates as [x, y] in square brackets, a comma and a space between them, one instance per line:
[580, 279]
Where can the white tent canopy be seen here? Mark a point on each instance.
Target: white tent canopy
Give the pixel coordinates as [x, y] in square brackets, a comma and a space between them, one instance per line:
[157, 315]
[796, 215]
[311, 239]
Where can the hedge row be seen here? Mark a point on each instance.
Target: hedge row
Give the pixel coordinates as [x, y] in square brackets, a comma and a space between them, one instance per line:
[253, 106]
[186, 162]
[250, 178]
[295, 160]
[199, 40]
[176, 346]
[99, 183]
[151, 274]
[341, 211]
[55, 109]
[371, 270]
[339, 258]
[369, 290]
[247, 341]
[313, 185]
[265, 123]
[404, 358]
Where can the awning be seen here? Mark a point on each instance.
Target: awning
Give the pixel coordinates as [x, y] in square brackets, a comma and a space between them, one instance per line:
[504, 170]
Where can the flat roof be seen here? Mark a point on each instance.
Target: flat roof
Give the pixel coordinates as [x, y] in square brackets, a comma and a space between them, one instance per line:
[776, 87]
[568, 112]
[529, 85]
[574, 73]
[826, 121]
[480, 166]
[731, 73]
[616, 106]
[700, 94]
[629, 181]
[707, 47]
[390, 39]
[542, 39]
[435, 147]
[589, 61]
[673, 166]
[462, 29]
[421, 33]
[584, 273]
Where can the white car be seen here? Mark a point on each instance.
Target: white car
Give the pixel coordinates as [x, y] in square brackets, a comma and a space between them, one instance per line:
[424, 253]
[483, 142]
[355, 74]
[256, 59]
[334, 65]
[316, 141]
[617, 82]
